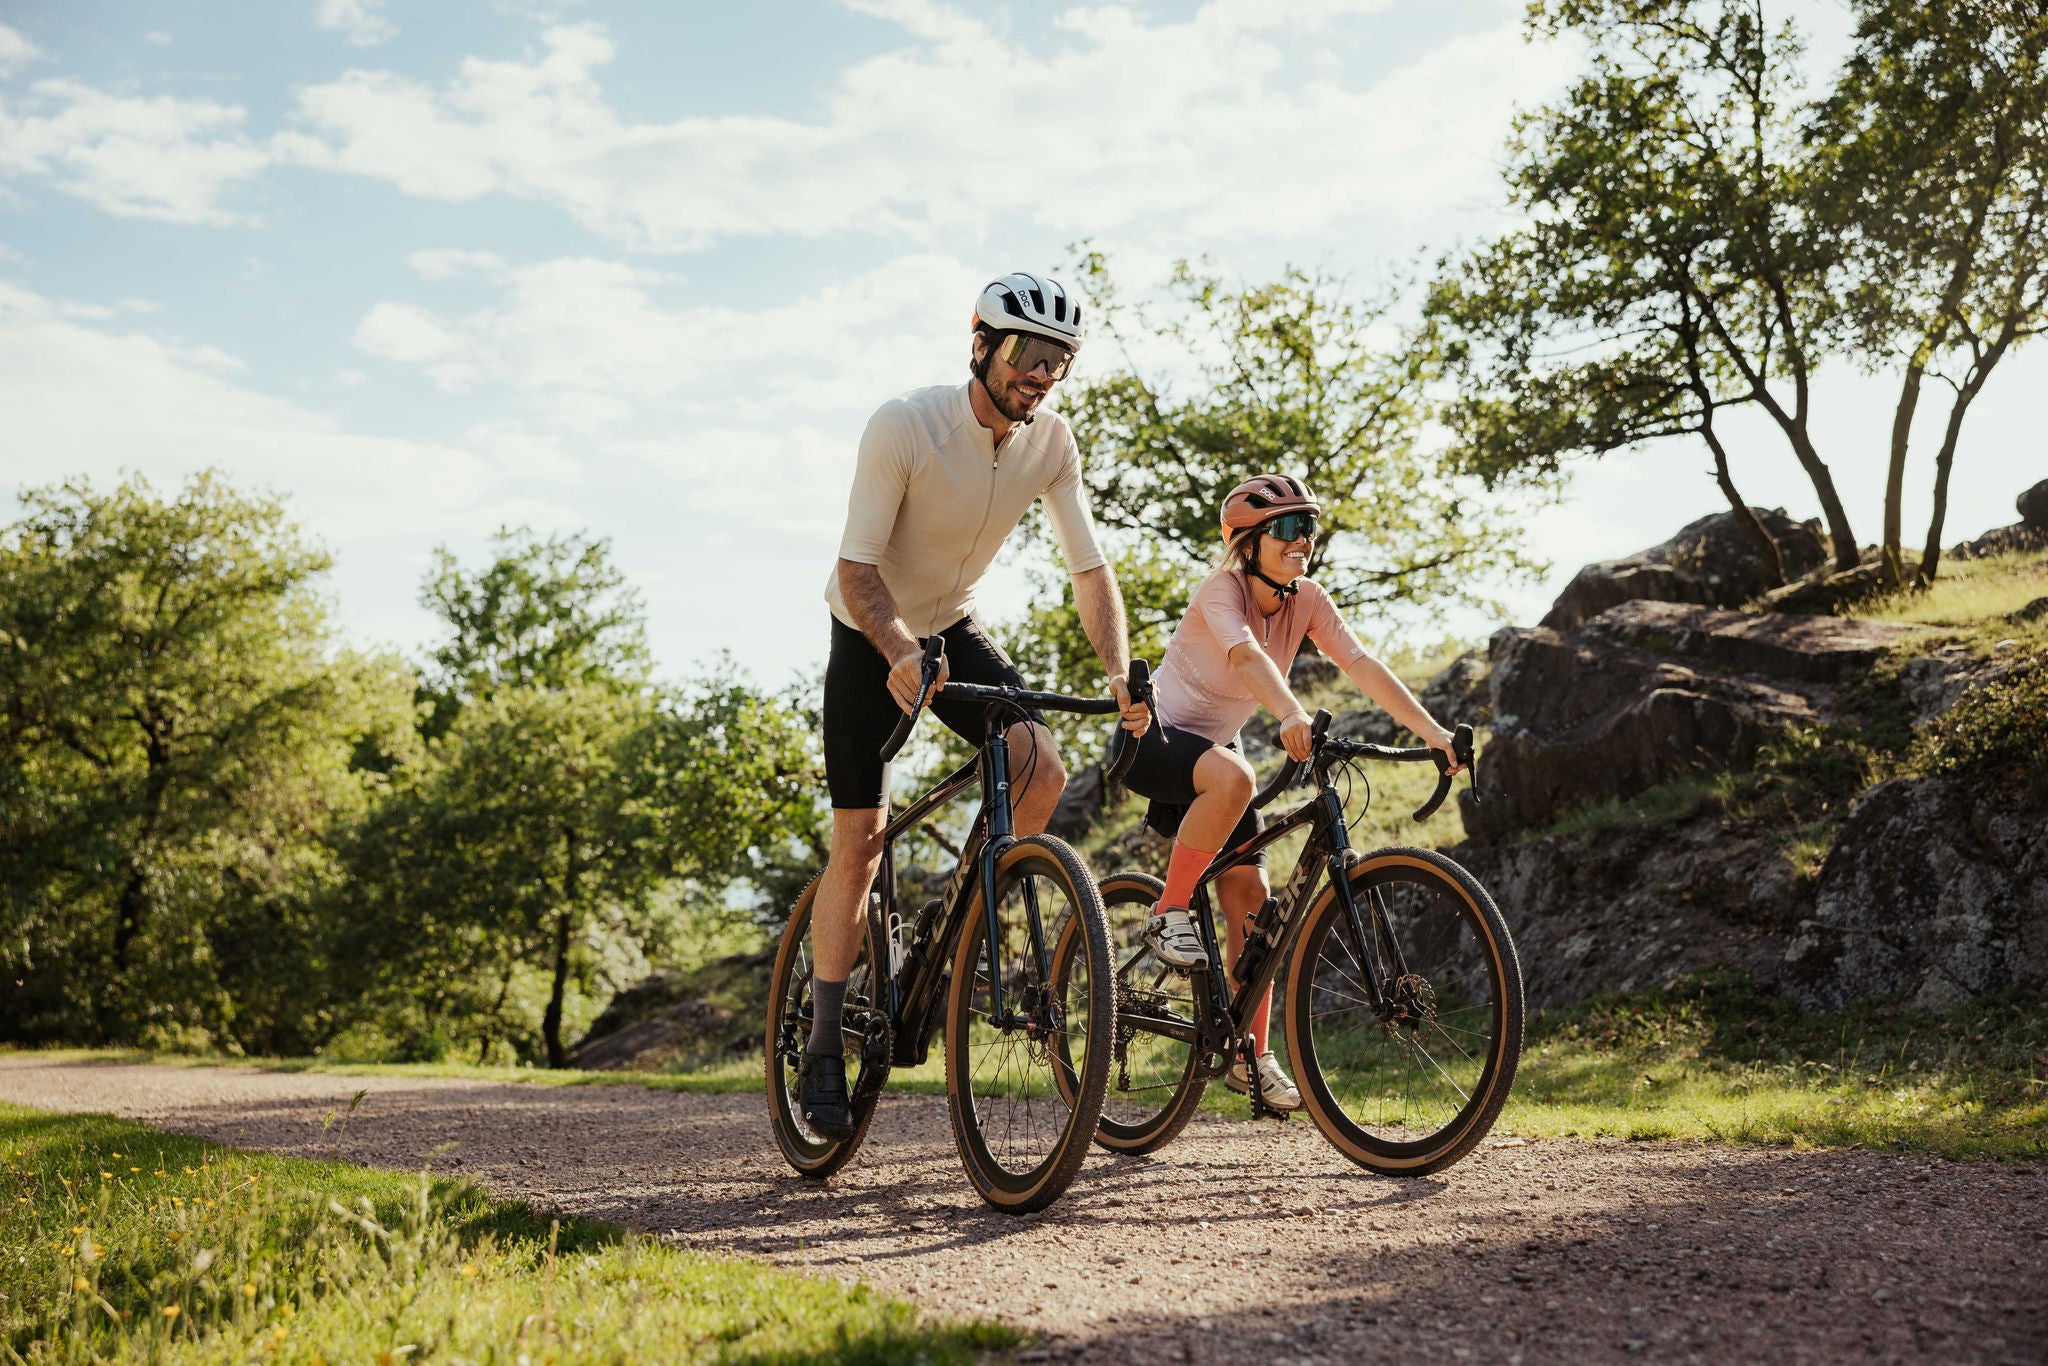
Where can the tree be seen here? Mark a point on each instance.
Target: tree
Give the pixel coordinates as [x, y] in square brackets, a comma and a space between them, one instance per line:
[548, 612]
[177, 732]
[543, 827]
[562, 797]
[1670, 264]
[1298, 377]
[1935, 141]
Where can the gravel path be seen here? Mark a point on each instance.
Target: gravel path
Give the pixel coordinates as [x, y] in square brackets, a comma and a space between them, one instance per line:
[1240, 1242]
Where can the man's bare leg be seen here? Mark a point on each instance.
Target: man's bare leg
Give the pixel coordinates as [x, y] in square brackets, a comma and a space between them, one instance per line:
[1036, 776]
[839, 911]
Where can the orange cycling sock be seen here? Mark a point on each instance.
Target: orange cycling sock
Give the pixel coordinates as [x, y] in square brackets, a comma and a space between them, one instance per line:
[1183, 870]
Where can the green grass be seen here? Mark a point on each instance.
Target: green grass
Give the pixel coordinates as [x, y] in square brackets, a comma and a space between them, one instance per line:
[1973, 595]
[1717, 1060]
[123, 1243]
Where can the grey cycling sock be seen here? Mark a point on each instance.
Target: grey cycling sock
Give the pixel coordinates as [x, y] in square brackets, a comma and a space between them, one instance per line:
[828, 1003]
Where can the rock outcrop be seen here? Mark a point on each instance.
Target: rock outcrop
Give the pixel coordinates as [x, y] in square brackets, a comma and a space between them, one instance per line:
[1711, 562]
[671, 1019]
[2030, 532]
[1929, 892]
[1646, 692]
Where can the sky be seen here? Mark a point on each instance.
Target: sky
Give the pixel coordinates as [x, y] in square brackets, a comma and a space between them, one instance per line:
[643, 269]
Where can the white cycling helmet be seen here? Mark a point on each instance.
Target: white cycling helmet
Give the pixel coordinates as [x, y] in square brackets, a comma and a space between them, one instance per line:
[1031, 303]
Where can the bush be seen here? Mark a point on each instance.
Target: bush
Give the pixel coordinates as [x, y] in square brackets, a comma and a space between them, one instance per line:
[1996, 735]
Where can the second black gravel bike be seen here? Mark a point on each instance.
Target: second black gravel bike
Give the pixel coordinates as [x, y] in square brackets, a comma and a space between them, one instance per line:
[1402, 992]
[1024, 1078]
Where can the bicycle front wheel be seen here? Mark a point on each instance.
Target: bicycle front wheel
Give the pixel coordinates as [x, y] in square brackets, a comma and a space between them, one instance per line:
[864, 1025]
[1027, 1052]
[1411, 1084]
[1155, 1085]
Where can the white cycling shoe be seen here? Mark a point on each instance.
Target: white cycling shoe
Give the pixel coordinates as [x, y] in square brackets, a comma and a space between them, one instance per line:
[1171, 936]
[1276, 1088]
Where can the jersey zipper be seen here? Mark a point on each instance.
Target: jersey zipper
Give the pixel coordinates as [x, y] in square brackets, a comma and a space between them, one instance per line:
[988, 510]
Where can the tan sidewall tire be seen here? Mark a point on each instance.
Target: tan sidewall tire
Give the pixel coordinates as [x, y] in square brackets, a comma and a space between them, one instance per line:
[809, 1160]
[1477, 1120]
[1053, 1176]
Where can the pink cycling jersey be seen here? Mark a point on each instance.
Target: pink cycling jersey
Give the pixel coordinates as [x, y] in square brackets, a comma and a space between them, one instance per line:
[1196, 687]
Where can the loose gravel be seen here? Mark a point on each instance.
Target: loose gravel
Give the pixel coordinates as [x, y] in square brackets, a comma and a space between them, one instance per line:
[1240, 1242]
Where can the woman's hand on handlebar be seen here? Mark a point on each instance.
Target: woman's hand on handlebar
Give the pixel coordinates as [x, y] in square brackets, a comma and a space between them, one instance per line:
[1136, 717]
[907, 673]
[1444, 743]
[1296, 737]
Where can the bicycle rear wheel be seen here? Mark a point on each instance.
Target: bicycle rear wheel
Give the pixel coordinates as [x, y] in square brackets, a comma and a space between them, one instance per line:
[1411, 1087]
[864, 1025]
[1027, 1056]
[1154, 1085]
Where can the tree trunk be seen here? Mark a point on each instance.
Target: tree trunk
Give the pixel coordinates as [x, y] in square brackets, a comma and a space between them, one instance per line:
[1895, 472]
[1847, 556]
[131, 907]
[551, 1022]
[1745, 515]
[1930, 555]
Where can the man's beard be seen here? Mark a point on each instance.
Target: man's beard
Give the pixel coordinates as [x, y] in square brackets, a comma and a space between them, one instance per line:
[1011, 401]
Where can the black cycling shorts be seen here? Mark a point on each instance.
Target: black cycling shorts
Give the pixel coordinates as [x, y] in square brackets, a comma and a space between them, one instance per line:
[860, 714]
[1165, 771]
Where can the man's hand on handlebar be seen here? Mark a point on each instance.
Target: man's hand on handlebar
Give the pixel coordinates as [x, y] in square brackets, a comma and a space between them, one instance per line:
[1296, 737]
[1136, 716]
[907, 673]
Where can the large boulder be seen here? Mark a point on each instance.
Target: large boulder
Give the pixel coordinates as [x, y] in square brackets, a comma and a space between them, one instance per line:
[2030, 532]
[2033, 505]
[1711, 562]
[1646, 692]
[671, 1020]
[1930, 892]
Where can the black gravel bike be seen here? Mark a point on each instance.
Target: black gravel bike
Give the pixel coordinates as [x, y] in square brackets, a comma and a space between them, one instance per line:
[1024, 1085]
[1402, 992]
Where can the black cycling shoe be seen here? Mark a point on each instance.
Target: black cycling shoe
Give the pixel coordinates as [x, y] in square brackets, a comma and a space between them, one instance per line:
[821, 1096]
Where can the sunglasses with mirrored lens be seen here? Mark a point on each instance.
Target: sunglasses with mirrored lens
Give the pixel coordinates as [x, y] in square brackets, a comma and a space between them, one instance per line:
[1291, 526]
[1026, 351]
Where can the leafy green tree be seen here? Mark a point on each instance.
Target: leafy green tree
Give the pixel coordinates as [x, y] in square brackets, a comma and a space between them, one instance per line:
[1669, 264]
[178, 730]
[547, 612]
[1296, 376]
[1935, 147]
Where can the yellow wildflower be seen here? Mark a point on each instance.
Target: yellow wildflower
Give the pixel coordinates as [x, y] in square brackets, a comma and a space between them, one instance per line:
[174, 1237]
[281, 1332]
[106, 1176]
[249, 1290]
[78, 1228]
[171, 1311]
[286, 1310]
[81, 1283]
[137, 1171]
[178, 1200]
[469, 1271]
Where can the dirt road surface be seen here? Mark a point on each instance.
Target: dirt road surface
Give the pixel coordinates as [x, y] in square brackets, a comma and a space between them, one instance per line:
[1238, 1243]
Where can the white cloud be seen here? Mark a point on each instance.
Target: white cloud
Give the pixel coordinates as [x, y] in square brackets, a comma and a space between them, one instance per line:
[79, 397]
[595, 340]
[140, 157]
[16, 51]
[359, 21]
[158, 38]
[1119, 121]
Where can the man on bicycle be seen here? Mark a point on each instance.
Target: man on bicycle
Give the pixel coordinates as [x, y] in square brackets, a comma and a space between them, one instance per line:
[943, 476]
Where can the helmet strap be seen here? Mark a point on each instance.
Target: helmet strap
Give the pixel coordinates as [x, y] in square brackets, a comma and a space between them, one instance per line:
[1251, 567]
[1285, 590]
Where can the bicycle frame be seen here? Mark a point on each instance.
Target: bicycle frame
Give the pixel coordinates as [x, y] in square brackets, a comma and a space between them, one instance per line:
[915, 993]
[1324, 854]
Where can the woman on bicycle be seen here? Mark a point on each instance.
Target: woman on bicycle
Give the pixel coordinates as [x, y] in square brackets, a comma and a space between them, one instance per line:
[1230, 655]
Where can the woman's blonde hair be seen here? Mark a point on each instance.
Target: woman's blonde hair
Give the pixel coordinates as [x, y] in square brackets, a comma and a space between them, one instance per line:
[1240, 549]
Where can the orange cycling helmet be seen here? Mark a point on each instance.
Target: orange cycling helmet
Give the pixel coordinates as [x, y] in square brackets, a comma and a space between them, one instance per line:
[1264, 497]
